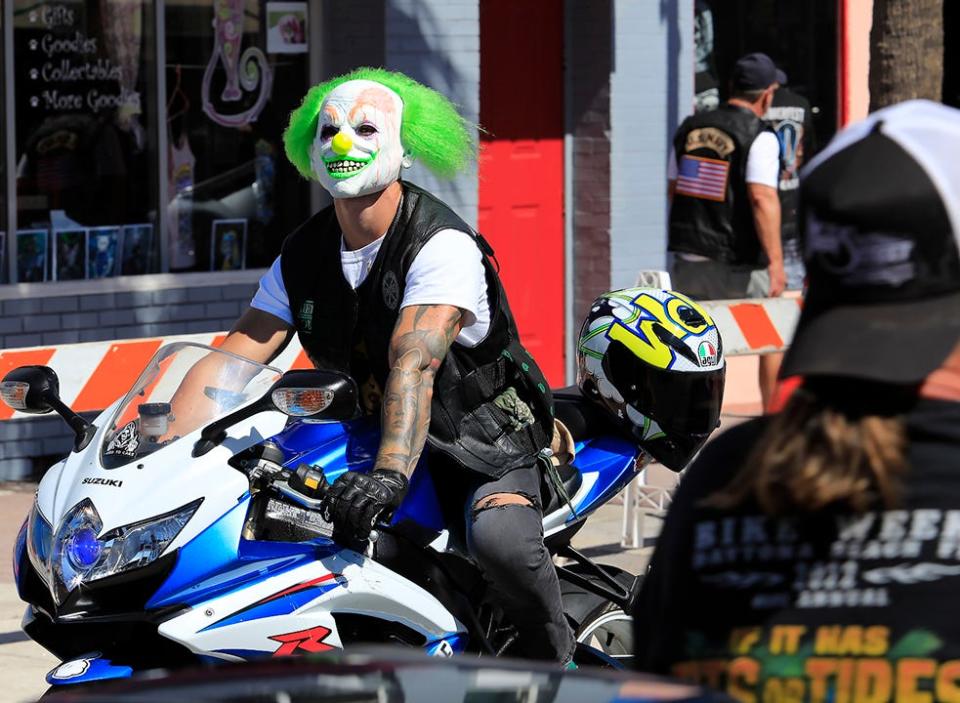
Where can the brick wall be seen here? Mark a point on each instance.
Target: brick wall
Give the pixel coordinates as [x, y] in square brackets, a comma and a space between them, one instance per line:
[29, 446]
[438, 43]
[589, 60]
[40, 314]
[651, 91]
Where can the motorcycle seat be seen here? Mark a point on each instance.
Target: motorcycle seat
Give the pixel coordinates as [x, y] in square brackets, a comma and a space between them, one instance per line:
[583, 417]
[571, 480]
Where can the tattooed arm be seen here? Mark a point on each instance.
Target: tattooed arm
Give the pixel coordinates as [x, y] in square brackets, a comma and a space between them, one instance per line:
[421, 338]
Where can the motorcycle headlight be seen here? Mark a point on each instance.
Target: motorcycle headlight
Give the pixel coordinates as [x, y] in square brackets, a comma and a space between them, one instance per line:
[81, 554]
[39, 537]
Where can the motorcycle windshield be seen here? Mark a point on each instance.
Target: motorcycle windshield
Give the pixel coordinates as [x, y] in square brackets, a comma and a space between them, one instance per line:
[184, 387]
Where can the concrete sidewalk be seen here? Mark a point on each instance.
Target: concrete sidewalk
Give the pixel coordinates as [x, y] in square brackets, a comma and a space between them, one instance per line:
[23, 663]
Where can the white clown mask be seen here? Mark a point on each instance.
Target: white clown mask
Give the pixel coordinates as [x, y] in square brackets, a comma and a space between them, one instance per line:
[357, 149]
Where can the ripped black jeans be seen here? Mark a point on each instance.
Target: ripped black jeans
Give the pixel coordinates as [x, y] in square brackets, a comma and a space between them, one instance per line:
[506, 541]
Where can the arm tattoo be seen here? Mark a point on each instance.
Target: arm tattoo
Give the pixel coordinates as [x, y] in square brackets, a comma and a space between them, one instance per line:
[420, 341]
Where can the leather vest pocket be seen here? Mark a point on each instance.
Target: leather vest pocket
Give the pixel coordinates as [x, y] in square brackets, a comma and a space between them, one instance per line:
[489, 422]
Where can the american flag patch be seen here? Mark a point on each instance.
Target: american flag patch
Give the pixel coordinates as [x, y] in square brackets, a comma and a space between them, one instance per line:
[700, 177]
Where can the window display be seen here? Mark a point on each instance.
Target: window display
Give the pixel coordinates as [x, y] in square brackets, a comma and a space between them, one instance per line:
[137, 249]
[83, 104]
[86, 137]
[227, 246]
[32, 255]
[69, 254]
[228, 242]
[287, 27]
[103, 245]
[228, 100]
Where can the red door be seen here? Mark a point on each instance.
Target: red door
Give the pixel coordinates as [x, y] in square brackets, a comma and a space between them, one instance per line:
[521, 166]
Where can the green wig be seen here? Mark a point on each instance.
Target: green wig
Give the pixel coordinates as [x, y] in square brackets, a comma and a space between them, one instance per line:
[431, 129]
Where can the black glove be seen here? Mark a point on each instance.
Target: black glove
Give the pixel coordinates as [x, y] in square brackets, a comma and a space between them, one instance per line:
[356, 501]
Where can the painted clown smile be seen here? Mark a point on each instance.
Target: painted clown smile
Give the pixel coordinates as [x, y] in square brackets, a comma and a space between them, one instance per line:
[346, 166]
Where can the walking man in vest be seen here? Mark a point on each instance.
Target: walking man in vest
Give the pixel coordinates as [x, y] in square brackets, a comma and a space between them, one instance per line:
[792, 120]
[391, 286]
[725, 212]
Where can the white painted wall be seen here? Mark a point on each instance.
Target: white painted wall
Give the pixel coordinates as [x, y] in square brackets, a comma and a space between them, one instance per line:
[651, 92]
[437, 42]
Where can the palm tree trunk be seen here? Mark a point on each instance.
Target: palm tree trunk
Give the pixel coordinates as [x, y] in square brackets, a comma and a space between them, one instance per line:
[906, 51]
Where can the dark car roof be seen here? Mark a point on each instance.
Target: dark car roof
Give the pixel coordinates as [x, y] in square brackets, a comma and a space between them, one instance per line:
[385, 676]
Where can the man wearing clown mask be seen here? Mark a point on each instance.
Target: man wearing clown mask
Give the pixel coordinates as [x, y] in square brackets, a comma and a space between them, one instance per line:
[391, 286]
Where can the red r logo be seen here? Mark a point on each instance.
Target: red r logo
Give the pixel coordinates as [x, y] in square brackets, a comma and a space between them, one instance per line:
[303, 641]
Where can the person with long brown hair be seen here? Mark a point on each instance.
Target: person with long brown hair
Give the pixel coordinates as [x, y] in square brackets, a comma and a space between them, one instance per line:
[815, 554]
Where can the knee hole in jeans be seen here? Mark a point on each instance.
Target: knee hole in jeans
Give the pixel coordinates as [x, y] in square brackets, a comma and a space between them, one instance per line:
[501, 501]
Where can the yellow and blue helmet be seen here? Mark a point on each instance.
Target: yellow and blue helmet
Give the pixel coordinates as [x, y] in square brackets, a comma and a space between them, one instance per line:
[654, 359]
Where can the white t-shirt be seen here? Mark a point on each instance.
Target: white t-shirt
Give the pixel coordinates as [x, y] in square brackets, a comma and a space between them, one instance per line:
[448, 270]
[763, 161]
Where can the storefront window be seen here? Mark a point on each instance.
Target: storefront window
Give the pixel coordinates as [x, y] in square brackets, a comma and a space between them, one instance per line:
[84, 106]
[800, 37]
[235, 70]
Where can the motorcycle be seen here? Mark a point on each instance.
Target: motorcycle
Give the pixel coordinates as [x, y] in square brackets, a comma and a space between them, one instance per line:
[174, 532]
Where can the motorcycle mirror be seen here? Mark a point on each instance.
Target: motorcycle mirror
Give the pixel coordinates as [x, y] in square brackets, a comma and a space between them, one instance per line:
[29, 389]
[317, 394]
[309, 393]
[36, 390]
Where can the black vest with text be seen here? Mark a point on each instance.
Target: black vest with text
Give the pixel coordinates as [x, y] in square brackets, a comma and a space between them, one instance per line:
[711, 214]
[790, 117]
[350, 330]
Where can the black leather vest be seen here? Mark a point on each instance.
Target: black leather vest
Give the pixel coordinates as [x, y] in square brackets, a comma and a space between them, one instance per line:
[349, 330]
[789, 116]
[716, 225]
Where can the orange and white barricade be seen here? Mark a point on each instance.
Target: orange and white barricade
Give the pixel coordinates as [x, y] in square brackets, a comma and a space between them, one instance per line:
[94, 374]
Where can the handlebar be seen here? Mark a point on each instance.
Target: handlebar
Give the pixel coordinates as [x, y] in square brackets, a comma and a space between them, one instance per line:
[307, 486]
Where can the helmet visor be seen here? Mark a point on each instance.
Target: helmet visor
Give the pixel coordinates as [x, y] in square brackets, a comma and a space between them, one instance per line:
[686, 402]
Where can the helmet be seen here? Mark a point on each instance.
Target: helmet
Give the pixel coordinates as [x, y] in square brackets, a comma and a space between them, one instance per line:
[653, 358]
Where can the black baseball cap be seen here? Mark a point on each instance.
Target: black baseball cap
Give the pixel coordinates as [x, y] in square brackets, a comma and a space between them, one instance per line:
[781, 77]
[753, 72]
[880, 218]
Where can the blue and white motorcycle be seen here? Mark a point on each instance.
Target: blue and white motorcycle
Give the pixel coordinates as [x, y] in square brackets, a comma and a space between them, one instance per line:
[171, 534]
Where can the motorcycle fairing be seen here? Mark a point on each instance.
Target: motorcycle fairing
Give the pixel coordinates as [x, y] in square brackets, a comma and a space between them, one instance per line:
[260, 619]
[244, 592]
[353, 446]
[86, 669]
[606, 464]
[614, 460]
[447, 646]
[19, 551]
[284, 601]
[165, 481]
